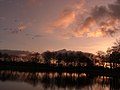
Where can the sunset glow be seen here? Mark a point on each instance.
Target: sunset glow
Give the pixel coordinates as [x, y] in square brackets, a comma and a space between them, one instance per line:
[40, 25]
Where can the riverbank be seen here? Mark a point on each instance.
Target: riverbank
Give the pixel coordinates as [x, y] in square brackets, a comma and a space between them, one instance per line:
[36, 67]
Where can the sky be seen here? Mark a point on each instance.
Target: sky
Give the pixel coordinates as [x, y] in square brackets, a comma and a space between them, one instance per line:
[40, 25]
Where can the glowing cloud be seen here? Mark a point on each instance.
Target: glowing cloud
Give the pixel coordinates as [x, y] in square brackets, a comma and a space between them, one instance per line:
[98, 22]
[106, 27]
[97, 33]
[65, 20]
[102, 21]
[85, 27]
[67, 17]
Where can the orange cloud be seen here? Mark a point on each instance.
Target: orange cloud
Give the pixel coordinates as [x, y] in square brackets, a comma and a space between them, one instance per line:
[92, 28]
[106, 27]
[97, 33]
[67, 17]
[109, 26]
[102, 22]
[85, 27]
[97, 22]
[65, 20]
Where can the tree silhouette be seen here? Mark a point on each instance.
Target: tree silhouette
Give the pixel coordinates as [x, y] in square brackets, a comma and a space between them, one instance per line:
[36, 57]
[47, 56]
[5, 56]
[114, 52]
[115, 47]
[59, 57]
[115, 58]
[0, 56]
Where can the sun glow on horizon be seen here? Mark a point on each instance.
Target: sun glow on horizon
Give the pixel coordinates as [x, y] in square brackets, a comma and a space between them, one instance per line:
[77, 25]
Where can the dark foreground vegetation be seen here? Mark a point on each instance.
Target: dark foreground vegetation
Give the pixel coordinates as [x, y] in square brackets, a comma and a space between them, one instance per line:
[65, 61]
[36, 67]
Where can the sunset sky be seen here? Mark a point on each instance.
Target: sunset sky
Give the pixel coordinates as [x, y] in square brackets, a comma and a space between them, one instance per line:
[40, 25]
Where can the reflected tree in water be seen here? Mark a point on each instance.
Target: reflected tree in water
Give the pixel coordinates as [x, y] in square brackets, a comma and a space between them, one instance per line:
[54, 80]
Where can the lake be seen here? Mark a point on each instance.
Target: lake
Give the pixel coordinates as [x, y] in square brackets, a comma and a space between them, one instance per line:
[18, 80]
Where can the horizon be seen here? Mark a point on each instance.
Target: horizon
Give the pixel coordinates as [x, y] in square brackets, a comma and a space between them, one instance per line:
[41, 25]
[43, 51]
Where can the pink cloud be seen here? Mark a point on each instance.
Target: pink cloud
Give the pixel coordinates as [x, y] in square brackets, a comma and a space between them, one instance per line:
[85, 27]
[97, 22]
[68, 17]
[65, 20]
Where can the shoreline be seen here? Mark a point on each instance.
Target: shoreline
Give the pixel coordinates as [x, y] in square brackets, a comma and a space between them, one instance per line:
[35, 67]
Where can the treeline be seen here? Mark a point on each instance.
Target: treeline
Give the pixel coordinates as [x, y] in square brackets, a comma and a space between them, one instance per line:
[61, 57]
[68, 58]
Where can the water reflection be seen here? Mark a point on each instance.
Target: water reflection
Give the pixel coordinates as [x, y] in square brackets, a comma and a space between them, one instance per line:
[64, 80]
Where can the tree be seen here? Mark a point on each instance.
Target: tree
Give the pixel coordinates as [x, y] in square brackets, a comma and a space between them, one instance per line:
[115, 47]
[114, 54]
[36, 57]
[5, 56]
[59, 57]
[0, 55]
[47, 56]
[103, 57]
[115, 58]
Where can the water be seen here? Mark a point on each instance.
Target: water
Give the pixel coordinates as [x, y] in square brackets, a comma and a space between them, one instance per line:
[15, 80]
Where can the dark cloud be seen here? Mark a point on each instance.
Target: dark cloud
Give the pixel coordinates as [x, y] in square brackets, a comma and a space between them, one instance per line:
[112, 10]
[16, 27]
[34, 36]
[106, 18]
[115, 9]
[99, 12]
[12, 30]
[37, 36]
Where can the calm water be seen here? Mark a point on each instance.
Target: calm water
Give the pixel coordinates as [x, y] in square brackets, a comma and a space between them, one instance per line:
[14, 80]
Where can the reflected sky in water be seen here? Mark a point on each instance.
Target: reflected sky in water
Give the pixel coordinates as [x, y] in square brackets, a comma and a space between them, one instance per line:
[14, 80]
[9, 85]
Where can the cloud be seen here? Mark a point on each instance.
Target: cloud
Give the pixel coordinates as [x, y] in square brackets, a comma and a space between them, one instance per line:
[99, 21]
[110, 26]
[85, 27]
[67, 17]
[107, 27]
[37, 36]
[17, 27]
[98, 12]
[21, 26]
[102, 21]
[34, 36]
[115, 9]
[97, 33]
